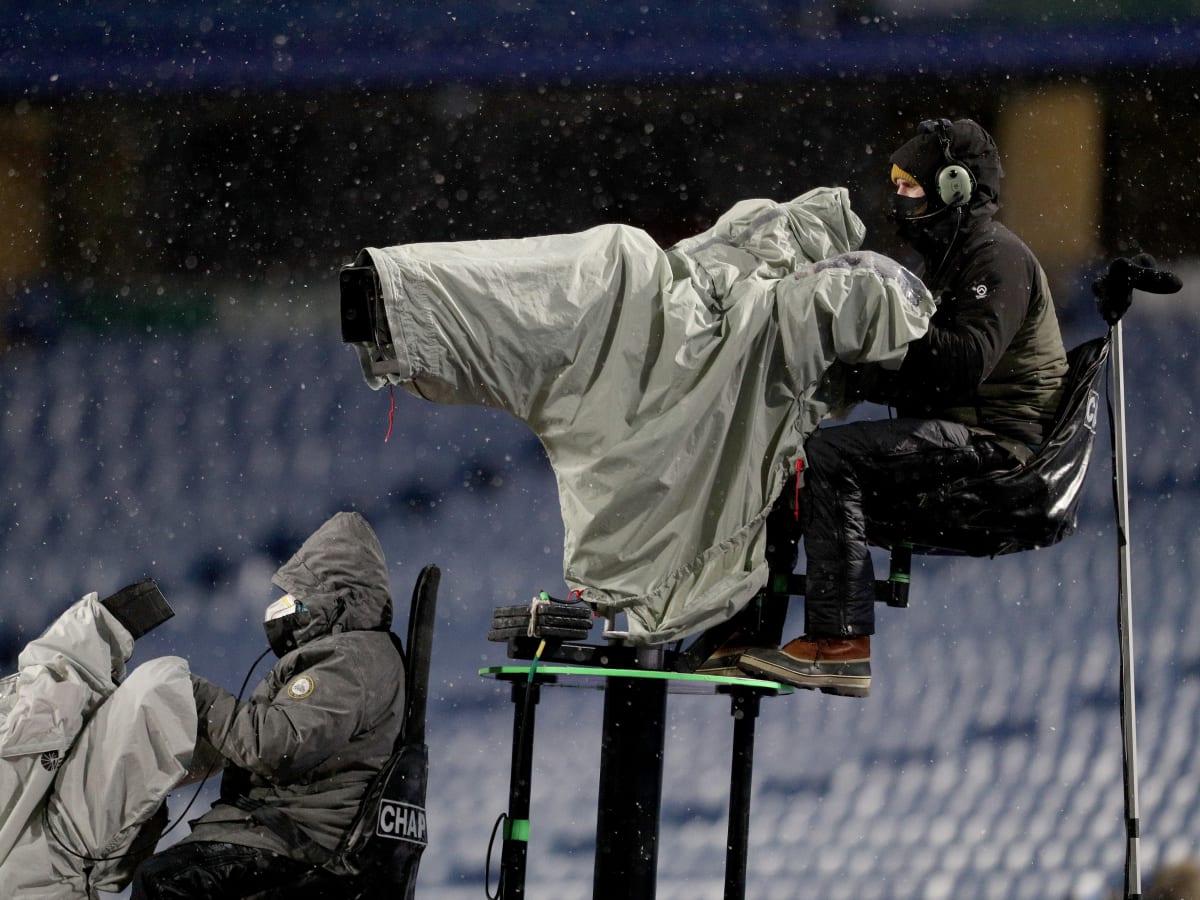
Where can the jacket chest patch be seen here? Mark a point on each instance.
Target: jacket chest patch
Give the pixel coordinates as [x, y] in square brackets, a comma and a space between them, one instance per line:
[979, 291]
[301, 687]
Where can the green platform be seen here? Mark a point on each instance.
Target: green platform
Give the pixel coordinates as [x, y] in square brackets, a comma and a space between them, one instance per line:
[594, 677]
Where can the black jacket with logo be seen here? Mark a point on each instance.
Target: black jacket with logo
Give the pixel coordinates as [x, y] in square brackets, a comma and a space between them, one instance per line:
[993, 357]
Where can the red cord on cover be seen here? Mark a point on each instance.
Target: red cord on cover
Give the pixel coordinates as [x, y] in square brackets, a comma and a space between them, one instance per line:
[391, 413]
[799, 477]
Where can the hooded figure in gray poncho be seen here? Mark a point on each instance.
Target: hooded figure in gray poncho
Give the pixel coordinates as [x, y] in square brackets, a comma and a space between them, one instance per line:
[311, 736]
[672, 389]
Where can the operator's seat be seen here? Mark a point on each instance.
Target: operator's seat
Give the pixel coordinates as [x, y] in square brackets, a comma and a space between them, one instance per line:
[1032, 505]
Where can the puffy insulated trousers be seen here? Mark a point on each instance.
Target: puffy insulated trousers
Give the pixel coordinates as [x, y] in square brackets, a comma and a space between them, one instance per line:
[200, 870]
[855, 472]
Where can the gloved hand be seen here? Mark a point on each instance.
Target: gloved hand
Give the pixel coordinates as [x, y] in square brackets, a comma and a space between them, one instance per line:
[1114, 289]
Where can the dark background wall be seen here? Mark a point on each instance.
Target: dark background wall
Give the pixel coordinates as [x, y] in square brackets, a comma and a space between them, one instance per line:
[156, 152]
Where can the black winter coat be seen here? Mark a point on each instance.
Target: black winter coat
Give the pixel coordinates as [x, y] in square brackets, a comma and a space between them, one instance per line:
[993, 357]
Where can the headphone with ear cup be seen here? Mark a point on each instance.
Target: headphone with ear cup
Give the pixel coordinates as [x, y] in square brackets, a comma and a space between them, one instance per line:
[954, 182]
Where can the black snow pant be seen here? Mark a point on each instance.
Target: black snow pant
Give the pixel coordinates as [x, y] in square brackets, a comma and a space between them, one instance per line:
[209, 869]
[855, 472]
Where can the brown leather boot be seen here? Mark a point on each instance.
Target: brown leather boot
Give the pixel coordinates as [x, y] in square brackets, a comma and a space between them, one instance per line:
[832, 665]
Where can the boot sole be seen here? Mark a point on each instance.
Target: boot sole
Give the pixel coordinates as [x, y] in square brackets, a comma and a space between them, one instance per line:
[840, 682]
[728, 672]
[724, 665]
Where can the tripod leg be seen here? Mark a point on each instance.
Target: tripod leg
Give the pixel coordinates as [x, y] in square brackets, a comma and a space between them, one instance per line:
[745, 712]
[516, 828]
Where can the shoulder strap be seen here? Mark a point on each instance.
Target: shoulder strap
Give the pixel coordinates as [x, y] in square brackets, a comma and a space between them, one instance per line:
[285, 827]
[404, 663]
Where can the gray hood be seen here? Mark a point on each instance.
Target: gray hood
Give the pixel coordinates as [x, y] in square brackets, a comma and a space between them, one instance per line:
[340, 575]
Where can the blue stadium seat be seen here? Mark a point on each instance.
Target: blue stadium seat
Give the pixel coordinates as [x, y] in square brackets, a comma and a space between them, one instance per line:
[986, 763]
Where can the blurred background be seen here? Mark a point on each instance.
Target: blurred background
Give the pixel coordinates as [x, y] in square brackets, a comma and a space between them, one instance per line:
[180, 182]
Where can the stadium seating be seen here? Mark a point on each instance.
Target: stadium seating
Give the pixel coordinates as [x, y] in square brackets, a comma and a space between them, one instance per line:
[986, 763]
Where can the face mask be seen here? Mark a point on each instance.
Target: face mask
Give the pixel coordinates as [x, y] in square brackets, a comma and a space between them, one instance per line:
[282, 620]
[905, 208]
[929, 233]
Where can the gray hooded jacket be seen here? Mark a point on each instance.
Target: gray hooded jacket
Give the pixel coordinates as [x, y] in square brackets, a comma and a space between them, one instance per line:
[672, 390]
[325, 719]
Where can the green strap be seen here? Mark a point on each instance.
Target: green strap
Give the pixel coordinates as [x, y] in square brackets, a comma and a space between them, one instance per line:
[516, 830]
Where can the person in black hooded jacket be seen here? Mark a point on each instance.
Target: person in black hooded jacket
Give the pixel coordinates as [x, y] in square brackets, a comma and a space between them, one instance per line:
[975, 394]
[310, 738]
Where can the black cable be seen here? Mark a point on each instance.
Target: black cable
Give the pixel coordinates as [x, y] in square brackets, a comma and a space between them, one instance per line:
[937, 273]
[487, 863]
[212, 768]
[137, 850]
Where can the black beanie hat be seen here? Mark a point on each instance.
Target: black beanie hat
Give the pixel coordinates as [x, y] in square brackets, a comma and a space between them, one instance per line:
[921, 158]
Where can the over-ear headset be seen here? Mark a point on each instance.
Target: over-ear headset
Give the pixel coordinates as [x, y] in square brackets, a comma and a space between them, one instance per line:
[954, 182]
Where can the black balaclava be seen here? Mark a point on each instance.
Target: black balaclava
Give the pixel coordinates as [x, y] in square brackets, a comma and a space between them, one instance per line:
[927, 223]
[282, 620]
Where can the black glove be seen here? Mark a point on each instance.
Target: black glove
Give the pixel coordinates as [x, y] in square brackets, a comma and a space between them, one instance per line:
[1114, 289]
[139, 607]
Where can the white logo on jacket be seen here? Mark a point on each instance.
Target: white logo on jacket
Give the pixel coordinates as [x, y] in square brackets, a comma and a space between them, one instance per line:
[980, 291]
[301, 686]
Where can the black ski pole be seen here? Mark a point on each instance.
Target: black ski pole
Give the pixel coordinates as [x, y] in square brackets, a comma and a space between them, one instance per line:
[1133, 877]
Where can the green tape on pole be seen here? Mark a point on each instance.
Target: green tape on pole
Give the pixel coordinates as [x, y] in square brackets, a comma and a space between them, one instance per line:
[781, 584]
[900, 578]
[517, 830]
